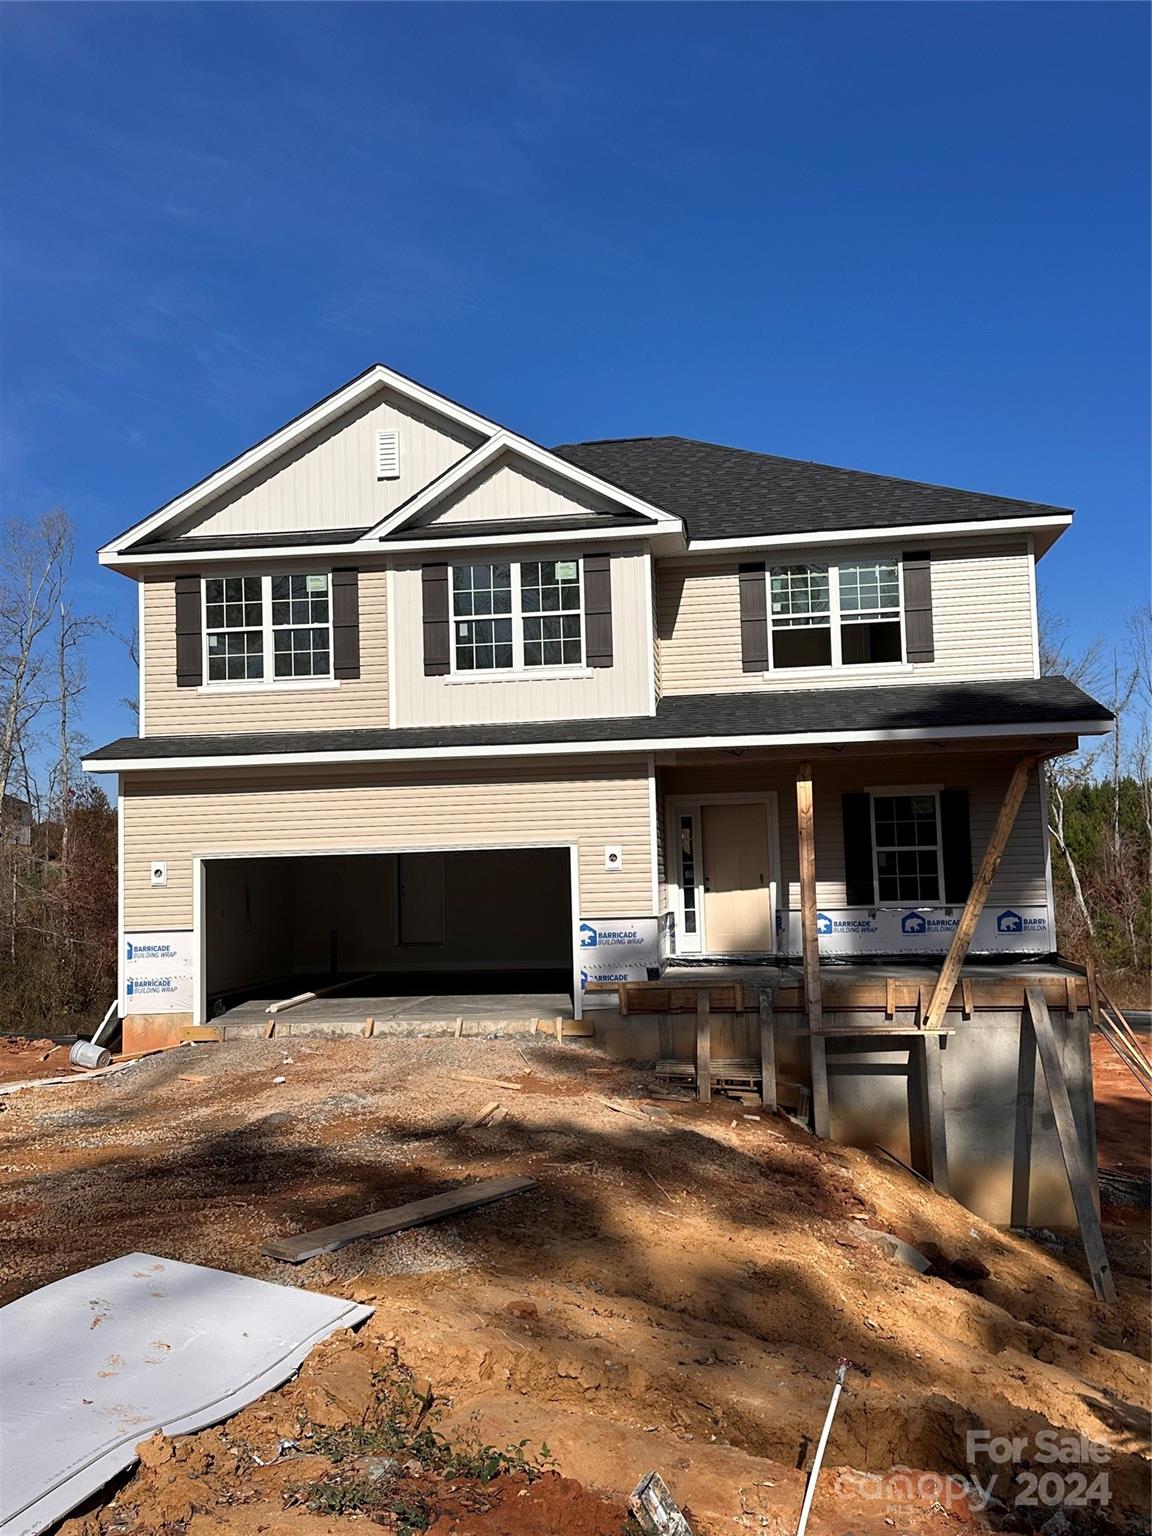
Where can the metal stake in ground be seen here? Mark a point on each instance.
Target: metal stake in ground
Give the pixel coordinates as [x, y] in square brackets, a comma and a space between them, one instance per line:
[810, 1490]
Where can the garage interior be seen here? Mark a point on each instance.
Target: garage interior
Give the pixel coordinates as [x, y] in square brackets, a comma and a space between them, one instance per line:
[475, 932]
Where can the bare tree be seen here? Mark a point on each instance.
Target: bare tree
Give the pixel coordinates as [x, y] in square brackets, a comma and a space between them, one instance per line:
[34, 562]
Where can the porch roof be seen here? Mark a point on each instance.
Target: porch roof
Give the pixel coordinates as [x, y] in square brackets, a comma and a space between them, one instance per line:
[915, 711]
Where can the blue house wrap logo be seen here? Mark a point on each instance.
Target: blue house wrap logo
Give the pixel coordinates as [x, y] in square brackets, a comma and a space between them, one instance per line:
[913, 922]
[823, 923]
[1009, 922]
[588, 936]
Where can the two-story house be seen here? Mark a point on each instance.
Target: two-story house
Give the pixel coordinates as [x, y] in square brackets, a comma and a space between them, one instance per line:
[419, 696]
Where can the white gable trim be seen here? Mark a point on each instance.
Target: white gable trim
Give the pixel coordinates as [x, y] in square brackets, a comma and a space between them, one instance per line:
[326, 410]
[500, 442]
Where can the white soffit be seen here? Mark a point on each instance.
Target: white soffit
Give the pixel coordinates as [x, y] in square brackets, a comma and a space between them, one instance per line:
[100, 1360]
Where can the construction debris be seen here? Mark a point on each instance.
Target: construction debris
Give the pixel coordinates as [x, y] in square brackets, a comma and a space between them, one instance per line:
[482, 1118]
[654, 1509]
[184, 1345]
[295, 1250]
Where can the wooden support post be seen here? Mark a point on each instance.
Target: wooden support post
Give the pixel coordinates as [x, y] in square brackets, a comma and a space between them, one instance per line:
[962, 938]
[704, 1045]
[966, 998]
[937, 1124]
[806, 827]
[818, 1061]
[889, 998]
[1070, 1146]
[767, 1051]
[1093, 993]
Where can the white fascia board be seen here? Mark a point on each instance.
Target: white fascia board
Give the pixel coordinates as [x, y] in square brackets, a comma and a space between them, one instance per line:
[510, 442]
[288, 436]
[841, 536]
[211, 556]
[258, 558]
[595, 748]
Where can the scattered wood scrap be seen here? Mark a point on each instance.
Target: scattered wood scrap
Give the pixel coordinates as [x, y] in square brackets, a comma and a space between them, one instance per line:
[469, 1197]
[492, 1082]
[483, 1118]
[649, 1113]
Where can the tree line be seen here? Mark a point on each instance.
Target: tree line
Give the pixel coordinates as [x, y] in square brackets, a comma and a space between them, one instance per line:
[58, 835]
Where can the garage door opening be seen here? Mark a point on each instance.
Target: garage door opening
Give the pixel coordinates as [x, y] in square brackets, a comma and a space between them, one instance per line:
[421, 934]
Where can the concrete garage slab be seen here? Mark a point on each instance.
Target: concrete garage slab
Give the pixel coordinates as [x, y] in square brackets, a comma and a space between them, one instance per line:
[395, 1006]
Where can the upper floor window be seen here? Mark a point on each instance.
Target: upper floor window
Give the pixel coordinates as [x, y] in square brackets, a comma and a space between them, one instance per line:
[267, 628]
[834, 615]
[517, 614]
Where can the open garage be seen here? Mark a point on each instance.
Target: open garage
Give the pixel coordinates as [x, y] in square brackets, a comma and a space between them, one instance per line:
[420, 933]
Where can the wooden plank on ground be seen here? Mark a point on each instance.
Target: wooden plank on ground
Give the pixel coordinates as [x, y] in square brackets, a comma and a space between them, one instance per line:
[306, 1245]
[978, 895]
[937, 1122]
[1070, 1146]
[210, 1034]
[703, 1046]
[767, 1051]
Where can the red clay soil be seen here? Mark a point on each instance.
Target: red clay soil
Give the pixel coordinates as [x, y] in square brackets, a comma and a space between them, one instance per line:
[548, 1507]
[1123, 1113]
[22, 1059]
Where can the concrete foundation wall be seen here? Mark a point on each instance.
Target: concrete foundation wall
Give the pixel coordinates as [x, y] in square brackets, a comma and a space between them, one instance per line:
[1004, 1155]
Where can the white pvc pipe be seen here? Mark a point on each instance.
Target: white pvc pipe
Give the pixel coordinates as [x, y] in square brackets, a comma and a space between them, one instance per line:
[810, 1490]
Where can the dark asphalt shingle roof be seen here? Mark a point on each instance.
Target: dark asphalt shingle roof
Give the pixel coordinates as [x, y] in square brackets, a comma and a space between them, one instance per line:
[795, 711]
[724, 493]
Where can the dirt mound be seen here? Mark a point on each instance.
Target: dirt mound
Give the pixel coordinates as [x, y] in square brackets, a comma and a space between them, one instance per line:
[673, 1295]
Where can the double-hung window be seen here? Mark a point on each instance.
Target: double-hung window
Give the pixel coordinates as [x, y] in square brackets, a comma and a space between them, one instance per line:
[517, 615]
[836, 615]
[267, 628]
[906, 840]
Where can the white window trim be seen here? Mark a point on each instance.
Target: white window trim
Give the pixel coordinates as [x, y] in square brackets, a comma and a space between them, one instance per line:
[907, 789]
[264, 684]
[518, 671]
[835, 619]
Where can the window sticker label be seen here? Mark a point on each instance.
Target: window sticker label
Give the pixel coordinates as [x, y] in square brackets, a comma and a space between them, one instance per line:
[317, 583]
[566, 570]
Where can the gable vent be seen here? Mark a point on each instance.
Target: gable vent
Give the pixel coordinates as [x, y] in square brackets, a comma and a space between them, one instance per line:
[387, 455]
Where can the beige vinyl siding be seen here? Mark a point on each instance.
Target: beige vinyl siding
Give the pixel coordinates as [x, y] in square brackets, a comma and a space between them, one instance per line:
[511, 489]
[1020, 878]
[175, 816]
[329, 480]
[982, 595]
[471, 698]
[169, 710]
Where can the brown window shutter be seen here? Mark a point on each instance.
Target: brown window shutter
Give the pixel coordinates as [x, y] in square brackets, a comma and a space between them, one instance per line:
[859, 886]
[437, 628]
[598, 610]
[753, 618]
[189, 633]
[918, 606]
[345, 623]
[956, 845]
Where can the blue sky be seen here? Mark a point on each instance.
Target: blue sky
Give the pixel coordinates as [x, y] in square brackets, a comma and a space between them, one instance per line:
[908, 238]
